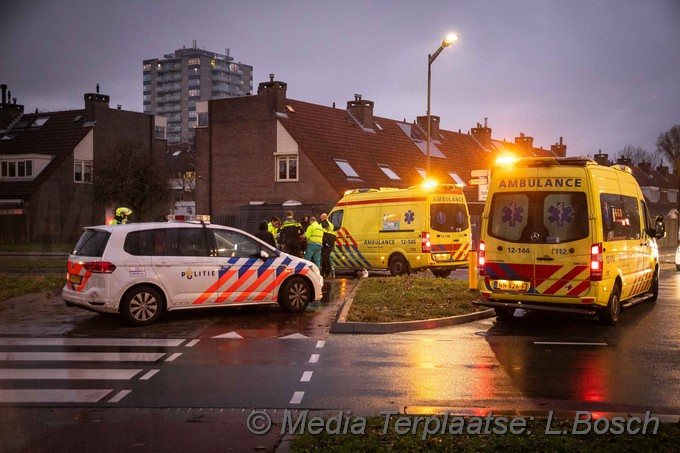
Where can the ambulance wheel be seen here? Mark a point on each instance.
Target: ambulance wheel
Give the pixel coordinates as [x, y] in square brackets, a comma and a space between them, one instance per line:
[141, 306]
[399, 266]
[654, 290]
[504, 313]
[609, 315]
[295, 295]
[441, 273]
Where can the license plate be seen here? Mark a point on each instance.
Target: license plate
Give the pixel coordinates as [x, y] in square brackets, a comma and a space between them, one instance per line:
[510, 285]
[75, 279]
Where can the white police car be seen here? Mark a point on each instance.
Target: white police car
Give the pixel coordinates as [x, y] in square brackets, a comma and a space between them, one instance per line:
[141, 270]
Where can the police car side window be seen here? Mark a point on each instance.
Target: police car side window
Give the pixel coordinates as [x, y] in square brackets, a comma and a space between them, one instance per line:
[186, 242]
[231, 244]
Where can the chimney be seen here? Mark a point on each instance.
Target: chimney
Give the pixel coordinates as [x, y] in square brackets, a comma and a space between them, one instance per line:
[524, 142]
[624, 161]
[434, 126]
[482, 134]
[663, 170]
[361, 110]
[9, 112]
[645, 166]
[95, 102]
[559, 149]
[601, 159]
[275, 93]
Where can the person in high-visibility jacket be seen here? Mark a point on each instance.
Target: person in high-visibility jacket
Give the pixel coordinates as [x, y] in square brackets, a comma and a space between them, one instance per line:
[273, 227]
[314, 236]
[121, 216]
[327, 245]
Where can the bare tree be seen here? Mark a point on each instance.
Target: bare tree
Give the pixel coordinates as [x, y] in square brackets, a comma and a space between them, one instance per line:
[668, 143]
[129, 178]
[638, 155]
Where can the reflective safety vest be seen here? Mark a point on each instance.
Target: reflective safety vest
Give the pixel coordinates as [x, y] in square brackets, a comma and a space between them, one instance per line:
[314, 233]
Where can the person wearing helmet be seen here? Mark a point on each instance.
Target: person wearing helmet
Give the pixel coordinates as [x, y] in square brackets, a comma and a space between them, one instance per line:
[121, 216]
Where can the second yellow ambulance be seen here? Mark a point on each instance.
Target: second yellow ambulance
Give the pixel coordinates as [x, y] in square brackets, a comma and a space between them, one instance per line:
[567, 234]
[403, 230]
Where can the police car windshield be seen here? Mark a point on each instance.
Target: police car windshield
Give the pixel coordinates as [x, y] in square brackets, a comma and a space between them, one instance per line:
[539, 217]
[448, 217]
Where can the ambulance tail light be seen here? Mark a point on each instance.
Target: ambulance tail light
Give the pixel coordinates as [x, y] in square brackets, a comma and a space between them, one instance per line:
[99, 267]
[481, 258]
[596, 262]
[425, 239]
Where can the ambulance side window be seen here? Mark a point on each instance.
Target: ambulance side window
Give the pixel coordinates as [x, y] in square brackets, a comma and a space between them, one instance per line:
[336, 218]
[620, 217]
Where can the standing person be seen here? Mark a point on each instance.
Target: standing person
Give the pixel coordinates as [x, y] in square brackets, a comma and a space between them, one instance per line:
[121, 216]
[290, 234]
[305, 225]
[327, 245]
[264, 234]
[314, 235]
[273, 227]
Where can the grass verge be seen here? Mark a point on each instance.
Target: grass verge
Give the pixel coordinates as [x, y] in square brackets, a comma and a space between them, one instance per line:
[394, 299]
[539, 435]
[27, 263]
[18, 285]
[23, 248]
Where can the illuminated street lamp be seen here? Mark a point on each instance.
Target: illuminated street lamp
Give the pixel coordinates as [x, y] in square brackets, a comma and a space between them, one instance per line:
[450, 39]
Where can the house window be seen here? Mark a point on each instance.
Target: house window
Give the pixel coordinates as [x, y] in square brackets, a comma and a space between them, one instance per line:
[458, 179]
[389, 172]
[17, 169]
[346, 168]
[159, 132]
[286, 168]
[422, 172]
[194, 61]
[82, 171]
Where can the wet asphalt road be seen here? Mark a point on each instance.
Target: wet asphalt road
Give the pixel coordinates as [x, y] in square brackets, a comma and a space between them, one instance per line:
[228, 362]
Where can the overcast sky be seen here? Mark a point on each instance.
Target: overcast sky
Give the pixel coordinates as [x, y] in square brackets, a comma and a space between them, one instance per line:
[600, 73]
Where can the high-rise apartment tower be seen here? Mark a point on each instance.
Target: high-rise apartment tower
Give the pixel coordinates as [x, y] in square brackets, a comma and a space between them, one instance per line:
[173, 84]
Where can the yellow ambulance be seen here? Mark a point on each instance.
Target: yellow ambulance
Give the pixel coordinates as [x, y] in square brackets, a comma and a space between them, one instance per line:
[567, 235]
[403, 230]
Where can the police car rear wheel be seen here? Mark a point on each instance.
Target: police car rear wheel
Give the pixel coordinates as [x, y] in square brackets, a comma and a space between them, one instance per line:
[141, 306]
[399, 266]
[610, 314]
[295, 295]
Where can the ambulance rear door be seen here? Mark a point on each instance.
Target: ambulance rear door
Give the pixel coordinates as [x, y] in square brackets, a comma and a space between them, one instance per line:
[449, 228]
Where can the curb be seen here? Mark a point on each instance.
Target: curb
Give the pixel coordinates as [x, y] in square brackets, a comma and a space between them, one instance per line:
[343, 327]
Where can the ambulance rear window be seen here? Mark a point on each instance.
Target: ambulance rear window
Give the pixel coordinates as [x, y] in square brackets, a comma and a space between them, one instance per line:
[448, 217]
[539, 217]
[92, 243]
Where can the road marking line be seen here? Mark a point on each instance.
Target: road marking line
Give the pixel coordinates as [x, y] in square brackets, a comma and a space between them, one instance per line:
[297, 398]
[53, 395]
[67, 373]
[89, 342]
[148, 375]
[294, 336]
[191, 343]
[173, 357]
[314, 358]
[320, 343]
[306, 376]
[83, 356]
[229, 335]
[119, 396]
[570, 343]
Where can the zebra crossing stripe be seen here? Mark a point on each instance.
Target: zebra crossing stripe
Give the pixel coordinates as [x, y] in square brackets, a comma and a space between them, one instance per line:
[53, 395]
[83, 356]
[68, 373]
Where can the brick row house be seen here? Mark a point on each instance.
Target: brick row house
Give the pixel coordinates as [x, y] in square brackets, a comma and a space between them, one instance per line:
[258, 156]
[49, 161]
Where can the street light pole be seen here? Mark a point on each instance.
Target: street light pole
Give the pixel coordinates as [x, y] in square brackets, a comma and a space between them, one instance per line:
[450, 39]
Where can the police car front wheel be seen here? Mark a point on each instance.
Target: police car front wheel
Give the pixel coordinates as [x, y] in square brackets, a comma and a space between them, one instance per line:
[295, 295]
[141, 306]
